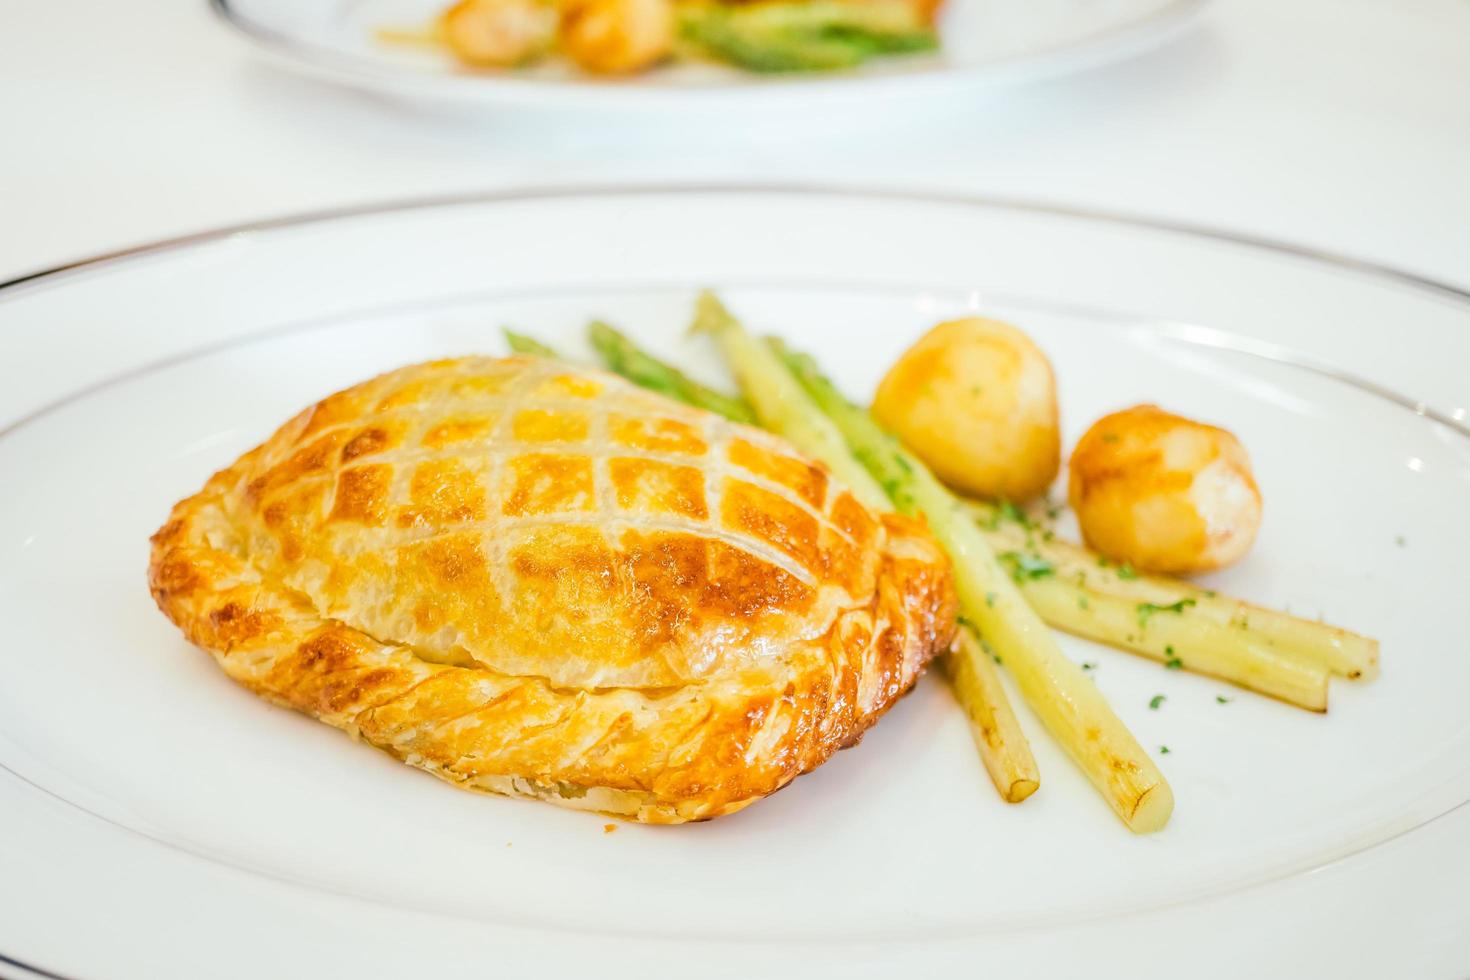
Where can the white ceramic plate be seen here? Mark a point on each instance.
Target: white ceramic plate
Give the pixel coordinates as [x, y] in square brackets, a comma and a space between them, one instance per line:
[985, 42]
[189, 829]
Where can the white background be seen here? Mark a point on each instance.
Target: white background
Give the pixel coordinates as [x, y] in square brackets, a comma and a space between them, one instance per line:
[1339, 123]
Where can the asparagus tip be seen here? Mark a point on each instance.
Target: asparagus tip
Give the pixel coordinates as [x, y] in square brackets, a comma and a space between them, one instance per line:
[710, 314]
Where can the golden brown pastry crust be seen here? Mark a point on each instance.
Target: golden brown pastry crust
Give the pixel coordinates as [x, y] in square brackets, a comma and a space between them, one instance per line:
[545, 582]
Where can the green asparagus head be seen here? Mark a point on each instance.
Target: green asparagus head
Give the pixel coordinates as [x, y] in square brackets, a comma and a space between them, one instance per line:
[522, 344]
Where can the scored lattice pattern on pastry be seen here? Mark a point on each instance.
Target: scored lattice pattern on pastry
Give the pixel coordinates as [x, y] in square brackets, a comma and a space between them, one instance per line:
[538, 521]
[519, 522]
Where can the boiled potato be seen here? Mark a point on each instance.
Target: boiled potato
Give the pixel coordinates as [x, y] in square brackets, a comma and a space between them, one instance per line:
[1163, 492]
[976, 401]
[617, 36]
[498, 33]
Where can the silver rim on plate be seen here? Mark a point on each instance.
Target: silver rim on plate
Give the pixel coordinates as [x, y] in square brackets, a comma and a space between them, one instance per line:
[1455, 419]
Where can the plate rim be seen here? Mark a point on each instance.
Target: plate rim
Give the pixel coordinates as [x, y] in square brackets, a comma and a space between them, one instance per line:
[1043, 206]
[1114, 43]
[1456, 419]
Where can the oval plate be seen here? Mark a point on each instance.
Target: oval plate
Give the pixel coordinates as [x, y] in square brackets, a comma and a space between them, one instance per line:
[143, 789]
[984, 43]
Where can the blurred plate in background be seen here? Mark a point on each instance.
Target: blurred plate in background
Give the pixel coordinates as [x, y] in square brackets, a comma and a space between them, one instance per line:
[983, 43]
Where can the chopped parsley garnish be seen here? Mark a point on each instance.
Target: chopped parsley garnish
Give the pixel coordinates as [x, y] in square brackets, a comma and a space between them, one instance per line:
[1125, 570]
[1082, 602]
[1221, 699]
[1163, 750]
[1011, 512]
[1088, 665]
[1172, 661]
[990, 599]
[1155, 701]
[1147, 609]
[1025, 566]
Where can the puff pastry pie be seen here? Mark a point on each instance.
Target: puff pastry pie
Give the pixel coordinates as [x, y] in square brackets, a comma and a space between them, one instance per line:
[540, 581]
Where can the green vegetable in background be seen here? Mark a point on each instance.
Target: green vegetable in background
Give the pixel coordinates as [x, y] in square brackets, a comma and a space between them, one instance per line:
[821, 36]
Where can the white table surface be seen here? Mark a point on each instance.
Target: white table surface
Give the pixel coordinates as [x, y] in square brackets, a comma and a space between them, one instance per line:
[1343, 124]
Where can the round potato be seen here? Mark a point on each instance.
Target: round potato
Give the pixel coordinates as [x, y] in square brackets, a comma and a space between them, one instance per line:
[976, 401]
[1164, 493]
[498, 33]
[610, 37]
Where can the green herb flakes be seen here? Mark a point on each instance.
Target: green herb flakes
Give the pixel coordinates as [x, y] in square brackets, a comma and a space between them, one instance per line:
[1148, 609]
[1026, 566]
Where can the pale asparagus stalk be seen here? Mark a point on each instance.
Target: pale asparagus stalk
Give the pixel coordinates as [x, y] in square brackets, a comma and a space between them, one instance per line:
[1178, 640]
[1003, 746]
[779, 401]
[1061, 694]
[1337, 650]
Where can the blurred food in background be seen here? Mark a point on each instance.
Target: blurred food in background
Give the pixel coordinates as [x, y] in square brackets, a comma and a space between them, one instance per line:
[622, 37]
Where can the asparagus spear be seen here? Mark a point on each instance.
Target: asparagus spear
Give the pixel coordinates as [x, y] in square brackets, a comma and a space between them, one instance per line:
[1089, 576]
[1003, 745]
[779, 401]
[805, 36]
[624, 357]
[1177, 640]
[521, 344]
[1060, 693]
